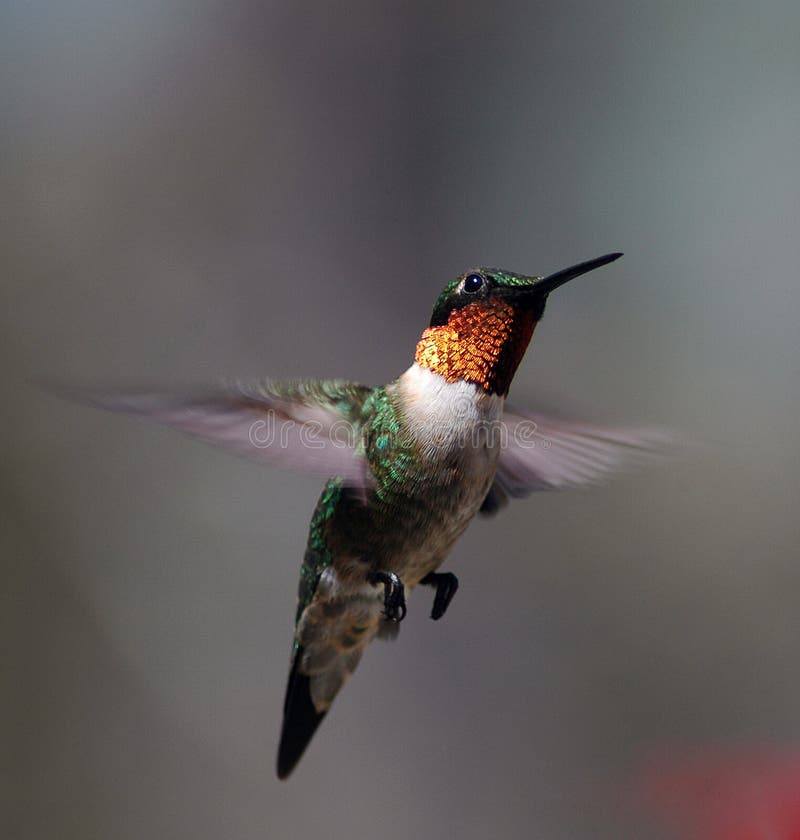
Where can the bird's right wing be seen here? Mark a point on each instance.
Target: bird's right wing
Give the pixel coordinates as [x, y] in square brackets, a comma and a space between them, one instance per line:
[306, 425]
[540, 452]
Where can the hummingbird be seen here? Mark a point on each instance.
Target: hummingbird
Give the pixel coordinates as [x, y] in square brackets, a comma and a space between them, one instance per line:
[407, 467]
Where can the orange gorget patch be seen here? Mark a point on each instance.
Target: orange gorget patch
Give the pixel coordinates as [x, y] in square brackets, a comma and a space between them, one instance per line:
[482, 343]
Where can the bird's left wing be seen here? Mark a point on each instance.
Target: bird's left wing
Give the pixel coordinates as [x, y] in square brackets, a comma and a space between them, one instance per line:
[306, 425]
[539, 452]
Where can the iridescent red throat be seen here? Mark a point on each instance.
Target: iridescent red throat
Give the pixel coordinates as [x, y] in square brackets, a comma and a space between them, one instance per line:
[481, 343]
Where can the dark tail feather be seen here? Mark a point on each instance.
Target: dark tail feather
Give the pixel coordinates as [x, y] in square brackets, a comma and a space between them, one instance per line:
[300, 719]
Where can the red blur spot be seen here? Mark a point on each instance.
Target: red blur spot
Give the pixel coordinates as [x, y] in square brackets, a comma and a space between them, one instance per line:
[726, 793]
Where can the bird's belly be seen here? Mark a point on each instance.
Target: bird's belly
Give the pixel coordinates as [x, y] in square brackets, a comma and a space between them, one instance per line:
[430, 523]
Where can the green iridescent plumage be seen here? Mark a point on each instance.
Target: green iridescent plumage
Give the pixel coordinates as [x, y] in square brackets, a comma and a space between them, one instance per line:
[390, 453]
[377, 428]
[318, 555]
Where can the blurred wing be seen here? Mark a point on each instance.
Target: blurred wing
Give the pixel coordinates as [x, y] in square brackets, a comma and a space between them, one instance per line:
[304, 425]
[549, 453]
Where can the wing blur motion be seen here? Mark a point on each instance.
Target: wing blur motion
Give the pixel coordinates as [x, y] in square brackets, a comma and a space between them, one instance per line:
[549, 453]
[310, 426]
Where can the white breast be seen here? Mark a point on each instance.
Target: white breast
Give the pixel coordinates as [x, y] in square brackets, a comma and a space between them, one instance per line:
[446, 416]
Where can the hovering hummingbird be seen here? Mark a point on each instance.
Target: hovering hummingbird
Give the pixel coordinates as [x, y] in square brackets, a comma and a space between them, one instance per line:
[408, 465]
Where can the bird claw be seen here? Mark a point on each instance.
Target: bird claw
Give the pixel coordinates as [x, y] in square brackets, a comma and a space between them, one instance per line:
[394, 597]
[446, 584]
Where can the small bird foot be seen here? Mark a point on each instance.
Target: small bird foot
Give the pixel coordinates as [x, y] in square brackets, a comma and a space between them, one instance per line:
[446, 584]
[394, 597]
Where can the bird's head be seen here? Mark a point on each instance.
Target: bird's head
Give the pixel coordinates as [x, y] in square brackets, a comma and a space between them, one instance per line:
[483, 321]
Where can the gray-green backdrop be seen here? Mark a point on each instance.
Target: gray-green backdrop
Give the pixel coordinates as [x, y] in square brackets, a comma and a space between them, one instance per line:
[197, 190]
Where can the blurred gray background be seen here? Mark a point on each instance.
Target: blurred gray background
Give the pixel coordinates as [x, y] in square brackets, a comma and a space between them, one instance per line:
[216, 189]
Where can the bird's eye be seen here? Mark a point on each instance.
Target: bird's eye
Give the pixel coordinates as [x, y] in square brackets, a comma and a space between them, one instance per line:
[472, 283]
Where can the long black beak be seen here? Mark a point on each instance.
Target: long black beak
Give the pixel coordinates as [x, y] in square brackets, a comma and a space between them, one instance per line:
[547, 284]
